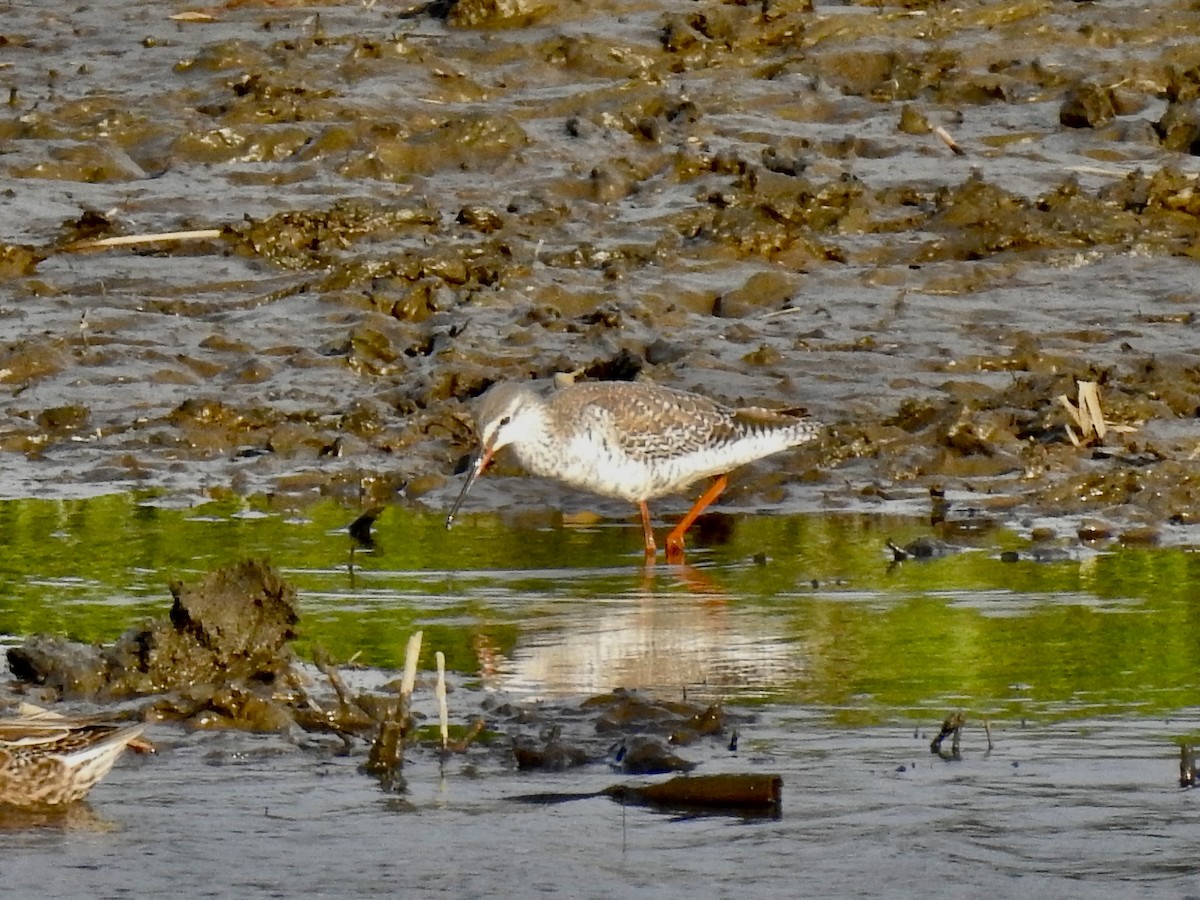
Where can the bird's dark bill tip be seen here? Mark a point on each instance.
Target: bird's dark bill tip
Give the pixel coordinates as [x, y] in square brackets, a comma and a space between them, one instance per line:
[478, 464]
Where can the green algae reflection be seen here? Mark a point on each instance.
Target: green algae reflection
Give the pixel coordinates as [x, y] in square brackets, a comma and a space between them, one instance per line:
[823, 620]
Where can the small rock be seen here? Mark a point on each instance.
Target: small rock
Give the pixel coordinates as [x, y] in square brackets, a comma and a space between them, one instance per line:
[1094, 530]
[1087, 106]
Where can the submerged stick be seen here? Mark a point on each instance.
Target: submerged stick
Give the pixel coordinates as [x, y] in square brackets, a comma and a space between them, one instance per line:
[951, 727]
[326, 668]
[360, 528]
[386, 757]
[477, 728]
[1187, 766]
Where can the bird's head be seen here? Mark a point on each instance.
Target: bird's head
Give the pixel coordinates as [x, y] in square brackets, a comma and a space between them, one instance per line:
[507, 414]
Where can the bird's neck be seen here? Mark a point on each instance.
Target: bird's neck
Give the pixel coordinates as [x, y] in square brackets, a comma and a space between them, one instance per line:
[538, 446]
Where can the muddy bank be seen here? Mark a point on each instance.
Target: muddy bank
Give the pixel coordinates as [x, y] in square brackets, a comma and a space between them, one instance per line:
[220, 654]
[403, 206]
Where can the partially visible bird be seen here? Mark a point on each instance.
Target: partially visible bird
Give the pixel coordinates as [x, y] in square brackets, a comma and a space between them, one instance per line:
[630, 440]
[47, 760]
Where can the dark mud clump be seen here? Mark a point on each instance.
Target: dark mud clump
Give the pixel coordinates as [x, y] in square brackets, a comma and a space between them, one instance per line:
[222, 648]
[634, 733]
[235, 623]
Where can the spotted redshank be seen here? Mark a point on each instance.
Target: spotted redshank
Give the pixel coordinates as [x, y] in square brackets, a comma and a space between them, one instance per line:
[629, 440]
[50, 761]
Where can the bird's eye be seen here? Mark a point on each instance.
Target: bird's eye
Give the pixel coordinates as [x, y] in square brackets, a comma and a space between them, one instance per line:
[505, 421]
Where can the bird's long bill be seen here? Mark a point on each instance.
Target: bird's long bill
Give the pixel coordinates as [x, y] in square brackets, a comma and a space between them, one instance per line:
[477, 466]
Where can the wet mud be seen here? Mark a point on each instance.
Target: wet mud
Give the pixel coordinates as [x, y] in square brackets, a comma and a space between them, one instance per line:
[219, 654]
[925, 225]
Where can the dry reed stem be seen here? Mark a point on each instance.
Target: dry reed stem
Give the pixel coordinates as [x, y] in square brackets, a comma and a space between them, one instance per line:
[127, 240]
[949, 141]
[443, 711]
[411, 653]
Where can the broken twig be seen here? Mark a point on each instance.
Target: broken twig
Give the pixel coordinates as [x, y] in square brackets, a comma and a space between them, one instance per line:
[1088, 415]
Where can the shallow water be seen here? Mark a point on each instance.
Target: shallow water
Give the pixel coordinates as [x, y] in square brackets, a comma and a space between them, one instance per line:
[783, 608]
[1086, 808]
[839, 665]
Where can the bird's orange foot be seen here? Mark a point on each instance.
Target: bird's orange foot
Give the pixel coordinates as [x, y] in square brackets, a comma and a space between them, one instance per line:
[675, 551]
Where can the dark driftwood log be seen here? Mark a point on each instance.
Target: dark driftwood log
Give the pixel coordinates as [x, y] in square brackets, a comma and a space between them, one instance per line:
[740, 793]
[705, 792]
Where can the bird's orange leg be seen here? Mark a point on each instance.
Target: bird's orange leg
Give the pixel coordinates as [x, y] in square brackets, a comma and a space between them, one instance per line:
[675, 538]
[648, 531]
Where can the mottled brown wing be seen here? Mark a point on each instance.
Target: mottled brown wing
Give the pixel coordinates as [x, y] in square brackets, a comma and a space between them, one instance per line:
[652, 422]
[46, 735]
[753, 418]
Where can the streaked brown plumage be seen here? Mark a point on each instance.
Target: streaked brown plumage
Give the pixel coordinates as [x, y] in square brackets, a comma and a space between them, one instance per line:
[46, 760]
[630, 440]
